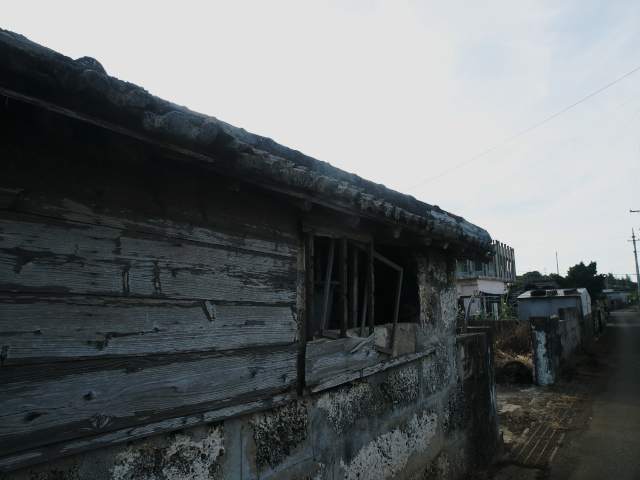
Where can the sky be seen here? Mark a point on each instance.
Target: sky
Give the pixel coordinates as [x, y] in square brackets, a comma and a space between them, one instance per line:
[425, 97]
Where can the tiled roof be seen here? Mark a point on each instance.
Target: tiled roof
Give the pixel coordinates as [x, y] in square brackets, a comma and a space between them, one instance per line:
[82, 87]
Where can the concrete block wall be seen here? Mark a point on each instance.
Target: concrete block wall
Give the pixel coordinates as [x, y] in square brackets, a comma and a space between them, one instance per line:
[569, 329]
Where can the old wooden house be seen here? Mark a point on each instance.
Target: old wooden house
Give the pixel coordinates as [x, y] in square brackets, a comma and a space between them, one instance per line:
[180, 298]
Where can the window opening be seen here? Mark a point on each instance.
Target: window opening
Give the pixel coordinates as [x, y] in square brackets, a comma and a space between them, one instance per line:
[344, 288]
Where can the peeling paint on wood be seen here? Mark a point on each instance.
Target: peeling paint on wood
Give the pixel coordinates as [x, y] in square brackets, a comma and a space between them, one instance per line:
[38, 329]
[43, 257]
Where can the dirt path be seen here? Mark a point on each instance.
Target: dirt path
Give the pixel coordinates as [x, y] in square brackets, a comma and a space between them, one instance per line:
[607, 444]
[584, 428]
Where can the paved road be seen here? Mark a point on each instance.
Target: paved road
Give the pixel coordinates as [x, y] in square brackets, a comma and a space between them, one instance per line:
[607, 442]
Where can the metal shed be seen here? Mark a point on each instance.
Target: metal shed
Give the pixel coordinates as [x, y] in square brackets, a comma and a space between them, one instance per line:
[542, 303]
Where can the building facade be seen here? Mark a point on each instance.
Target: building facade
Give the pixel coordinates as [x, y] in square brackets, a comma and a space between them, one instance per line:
[481, 284]
[180, 298]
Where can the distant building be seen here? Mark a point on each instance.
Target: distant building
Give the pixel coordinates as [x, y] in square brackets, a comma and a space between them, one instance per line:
[483, 284]
[545, 303]
[616, 298]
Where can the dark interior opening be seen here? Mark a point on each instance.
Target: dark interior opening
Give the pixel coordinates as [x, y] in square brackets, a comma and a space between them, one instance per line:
[385, 286]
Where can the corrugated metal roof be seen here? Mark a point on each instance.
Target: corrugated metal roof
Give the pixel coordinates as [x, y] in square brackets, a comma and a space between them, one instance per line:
[561, 292]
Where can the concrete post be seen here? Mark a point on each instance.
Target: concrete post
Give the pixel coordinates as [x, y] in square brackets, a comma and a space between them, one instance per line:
[546, 349]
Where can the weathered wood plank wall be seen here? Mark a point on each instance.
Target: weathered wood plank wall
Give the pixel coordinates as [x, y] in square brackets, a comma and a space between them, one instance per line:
[133, 293]
[42, 329]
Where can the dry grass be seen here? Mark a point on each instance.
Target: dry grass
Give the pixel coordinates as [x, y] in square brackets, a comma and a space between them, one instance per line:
[565, 406]
[567, 402]
[557, 426]
[510, 345]
[515, 341]
[570, 398]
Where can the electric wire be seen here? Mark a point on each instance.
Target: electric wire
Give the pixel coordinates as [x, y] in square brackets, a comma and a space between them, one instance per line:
[566, 199]
[548, 155]
[523, 132]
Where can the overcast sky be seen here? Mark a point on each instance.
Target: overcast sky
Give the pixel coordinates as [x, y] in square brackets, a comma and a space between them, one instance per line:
[401, 91]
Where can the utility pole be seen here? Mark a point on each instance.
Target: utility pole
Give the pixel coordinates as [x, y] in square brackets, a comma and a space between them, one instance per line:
[557, 268]
[635, 254]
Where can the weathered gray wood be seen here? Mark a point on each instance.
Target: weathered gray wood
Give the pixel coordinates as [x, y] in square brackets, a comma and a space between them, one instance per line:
[329, 358]
[45, 255]
[309, 286]
[365, 301]
[396, 309]
[327, 287]
[70, 447]
[353, 298]
[226, 232]
[46, 404]
[44, 329]
[343, 304]
[371, 287]
[336, 380]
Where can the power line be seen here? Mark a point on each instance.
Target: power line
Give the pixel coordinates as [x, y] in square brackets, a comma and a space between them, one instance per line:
[548, 155]
[583, 178]
[523, 132]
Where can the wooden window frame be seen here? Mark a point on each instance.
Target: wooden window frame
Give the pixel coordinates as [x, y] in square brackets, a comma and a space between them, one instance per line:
[348, 299]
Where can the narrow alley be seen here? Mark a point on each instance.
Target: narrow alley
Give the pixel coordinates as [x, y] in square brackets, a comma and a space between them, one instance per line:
[586, 427]
[605, 445]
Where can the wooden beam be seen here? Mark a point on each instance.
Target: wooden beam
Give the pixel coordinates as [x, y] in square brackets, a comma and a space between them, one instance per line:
[396, 310]
[309, 267]
[327, 287]
[365, 304]
[343, 288]
[371, 288]
[353, 298]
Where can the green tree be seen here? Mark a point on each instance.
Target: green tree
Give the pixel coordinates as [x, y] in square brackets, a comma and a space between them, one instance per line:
[528, 277]
[583, 276]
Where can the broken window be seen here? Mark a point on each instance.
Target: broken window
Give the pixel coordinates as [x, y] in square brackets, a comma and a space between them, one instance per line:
[353, 287]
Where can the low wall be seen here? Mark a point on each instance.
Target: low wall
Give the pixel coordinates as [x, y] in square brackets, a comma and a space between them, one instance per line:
[569, 329]
[554, 339]
[587, 327]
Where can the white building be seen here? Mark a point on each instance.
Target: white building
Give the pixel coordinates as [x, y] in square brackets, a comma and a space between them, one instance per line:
[483, 284]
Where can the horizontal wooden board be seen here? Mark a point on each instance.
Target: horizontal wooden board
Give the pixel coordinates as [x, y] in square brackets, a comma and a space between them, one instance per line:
[36, 329]
[227, 232]
[330, 363]
[46, 404]
[328, 359]
[60, 449]
[44, 255]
